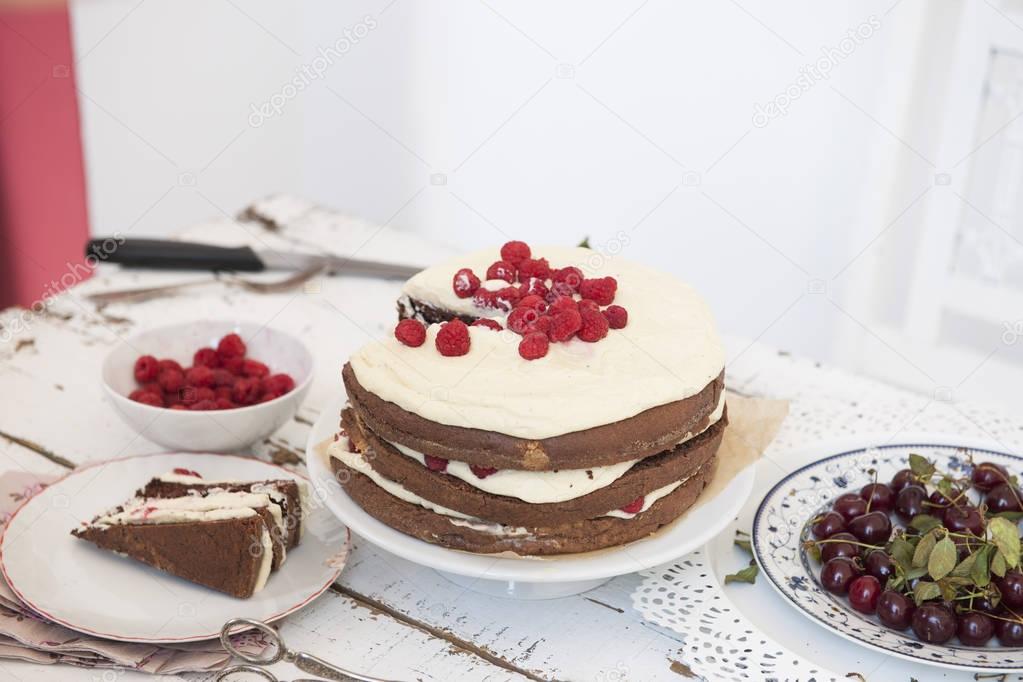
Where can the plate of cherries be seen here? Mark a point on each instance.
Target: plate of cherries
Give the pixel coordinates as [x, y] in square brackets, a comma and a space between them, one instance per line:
[910, 549]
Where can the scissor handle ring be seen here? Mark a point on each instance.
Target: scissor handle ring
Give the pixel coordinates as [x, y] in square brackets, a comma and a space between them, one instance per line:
[251, 669]
[249, 623]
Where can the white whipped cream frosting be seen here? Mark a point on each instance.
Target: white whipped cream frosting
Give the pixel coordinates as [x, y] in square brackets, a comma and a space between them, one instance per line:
[668, 351]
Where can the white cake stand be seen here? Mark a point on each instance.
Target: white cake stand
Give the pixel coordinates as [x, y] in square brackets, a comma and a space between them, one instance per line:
[519, 577]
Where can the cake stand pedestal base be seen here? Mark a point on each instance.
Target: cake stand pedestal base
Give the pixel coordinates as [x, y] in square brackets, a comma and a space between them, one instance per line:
[512, 589]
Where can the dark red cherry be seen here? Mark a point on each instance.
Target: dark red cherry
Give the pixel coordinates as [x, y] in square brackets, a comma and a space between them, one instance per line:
[939, 501]
[901, 479]
[850, 506]
[879, 496]
[975, 628]
[1011, 588]
[895, 609]
[1010, 632]
[864, 593]
[933, 623]
[828, 524]
[910, 502]
[839, 545]
[964, 520]
[880, 565]
[1002, 498]
[874, 528]
[837, 574]
[987, 475]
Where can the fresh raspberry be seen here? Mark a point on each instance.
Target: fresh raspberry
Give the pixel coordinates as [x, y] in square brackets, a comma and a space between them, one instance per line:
[199, 375]
[488, 323]
[204, 394]
[170, 364]
[203, 406]
[482, 472]
[543, 325]
[567, 280]
[436, 463]
[224, 404]
[267, 397]
[411, 333]
[565, 324]
[562, 303]
[533, 346]
[536, 287]
[534, 267]
[254, 369]
[153, 387]
[502, 299]
[521, 318]
[634, 507]
[508, 297]
[178, 406]
[222, 377]
[206, 357]
[502, 270]
[601, 290]
[234, 365]
[515, 252]
[277, 384]
[588, 304]
[146, 398]
[147, 368]
[171, 380]
[617, 316]
[246, 391]
[533, 301]
[224, 392]
[186, 472]
[231, 346]
[594, 327]
[453, 338]
[465, 283]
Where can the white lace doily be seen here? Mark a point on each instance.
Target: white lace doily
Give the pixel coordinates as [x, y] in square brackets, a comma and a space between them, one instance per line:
[826, 404]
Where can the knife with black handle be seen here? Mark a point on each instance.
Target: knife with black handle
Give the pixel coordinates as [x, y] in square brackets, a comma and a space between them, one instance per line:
[174, 255]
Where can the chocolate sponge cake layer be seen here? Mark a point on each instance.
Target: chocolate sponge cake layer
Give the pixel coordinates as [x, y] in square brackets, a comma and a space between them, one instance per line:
[454, 493]
[580, 536]
[647, 433]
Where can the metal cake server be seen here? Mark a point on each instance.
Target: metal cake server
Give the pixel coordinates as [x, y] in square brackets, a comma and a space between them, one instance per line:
[307, 663]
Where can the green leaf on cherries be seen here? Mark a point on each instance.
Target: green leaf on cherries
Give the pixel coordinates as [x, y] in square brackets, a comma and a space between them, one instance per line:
[922, 468]
[998, 566]
[914, 573]
[924, 549]
[901, 551]
[925, 591]
[1005, 535]
[924, 523]
[746, 575]
[965, 567]
[942, 558]
[742, 541]
[980, 572]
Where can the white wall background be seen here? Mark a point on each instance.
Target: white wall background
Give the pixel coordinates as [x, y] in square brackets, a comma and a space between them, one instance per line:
[475, 120]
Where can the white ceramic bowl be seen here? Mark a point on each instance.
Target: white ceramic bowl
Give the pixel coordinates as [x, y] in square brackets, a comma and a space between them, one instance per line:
[214, 431]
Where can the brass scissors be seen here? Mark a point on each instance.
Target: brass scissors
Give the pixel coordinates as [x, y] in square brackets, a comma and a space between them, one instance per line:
[307, 663]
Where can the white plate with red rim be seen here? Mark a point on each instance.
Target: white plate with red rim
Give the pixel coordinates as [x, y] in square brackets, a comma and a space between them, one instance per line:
[524, 577]
[80, 586]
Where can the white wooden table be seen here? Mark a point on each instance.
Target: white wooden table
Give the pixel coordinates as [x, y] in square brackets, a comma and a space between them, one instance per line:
[386, 615]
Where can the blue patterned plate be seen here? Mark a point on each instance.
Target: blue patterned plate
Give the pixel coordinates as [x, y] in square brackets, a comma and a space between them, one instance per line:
[780, 527]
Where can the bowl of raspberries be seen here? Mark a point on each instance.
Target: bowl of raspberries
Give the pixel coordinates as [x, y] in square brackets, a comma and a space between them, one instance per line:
[208, 386]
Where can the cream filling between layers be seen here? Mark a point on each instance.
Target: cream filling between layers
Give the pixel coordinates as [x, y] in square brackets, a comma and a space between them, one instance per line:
[267, 556]
[339, 450]
[541, 487]
[668, 352]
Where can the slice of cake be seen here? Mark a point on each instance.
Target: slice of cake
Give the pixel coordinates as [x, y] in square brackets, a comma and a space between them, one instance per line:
[542, 402]
[229, 536]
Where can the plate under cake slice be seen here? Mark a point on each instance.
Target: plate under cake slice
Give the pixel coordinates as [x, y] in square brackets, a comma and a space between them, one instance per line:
[223, 540]
[288, 495]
